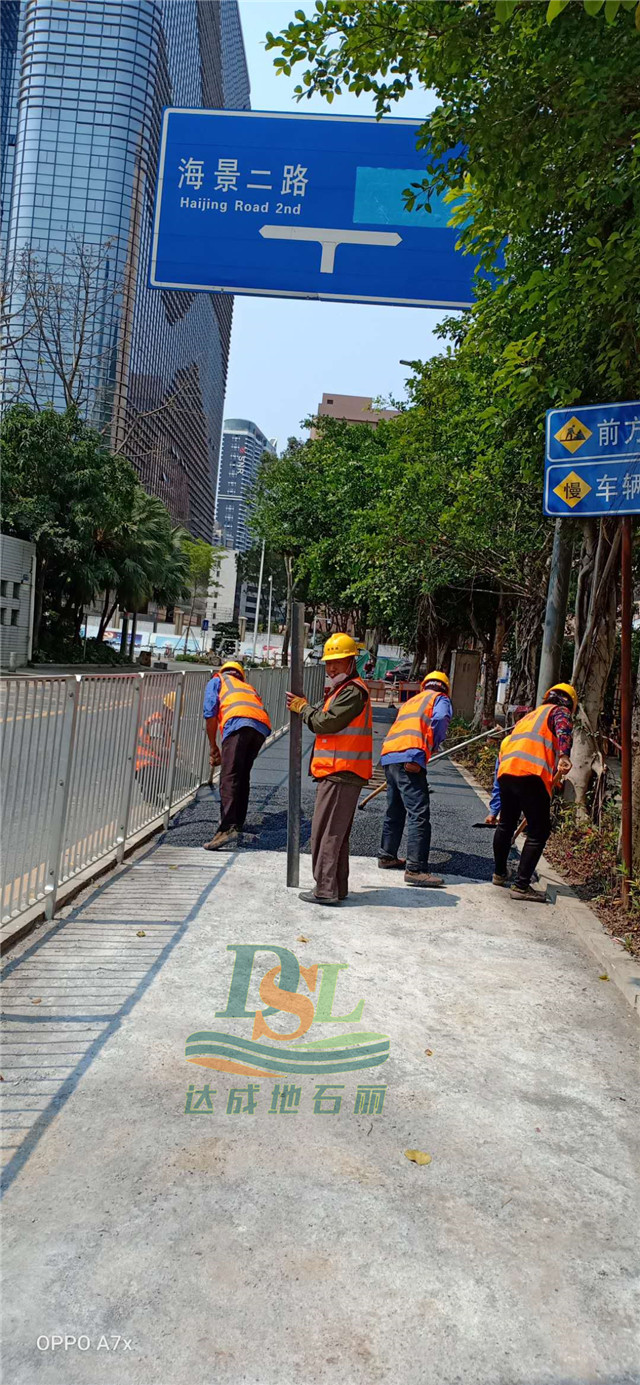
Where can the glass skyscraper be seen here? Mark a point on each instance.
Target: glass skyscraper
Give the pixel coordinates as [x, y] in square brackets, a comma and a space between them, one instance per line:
[84, 83]
[243, 446]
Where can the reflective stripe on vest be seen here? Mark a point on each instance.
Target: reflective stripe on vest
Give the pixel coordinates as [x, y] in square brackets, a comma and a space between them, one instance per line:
[239, 699]
[350, 749]
[412, 728]
[154, 741]
[531, 748]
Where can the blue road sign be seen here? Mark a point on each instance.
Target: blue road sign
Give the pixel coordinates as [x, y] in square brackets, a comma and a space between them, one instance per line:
[301, 206]
[592, 464]
[204, 625]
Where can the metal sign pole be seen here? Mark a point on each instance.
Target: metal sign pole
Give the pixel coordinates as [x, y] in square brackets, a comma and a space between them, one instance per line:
[295, 746]
[255, 623]
[626, 694]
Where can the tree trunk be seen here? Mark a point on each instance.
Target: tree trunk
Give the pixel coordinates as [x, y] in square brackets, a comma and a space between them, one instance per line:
[635, 776]
[41, 568]
[493, 659]
[105, 616]
[124, 632]
[595, 645]
[132, 641]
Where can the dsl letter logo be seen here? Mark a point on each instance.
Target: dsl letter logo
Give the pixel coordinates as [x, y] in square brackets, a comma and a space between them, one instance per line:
[278, 989]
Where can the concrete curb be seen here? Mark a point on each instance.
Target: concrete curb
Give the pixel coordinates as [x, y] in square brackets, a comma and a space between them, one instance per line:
[622, 970]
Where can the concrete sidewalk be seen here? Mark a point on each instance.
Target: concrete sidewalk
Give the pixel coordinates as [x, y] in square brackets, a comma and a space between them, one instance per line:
[295, 1246]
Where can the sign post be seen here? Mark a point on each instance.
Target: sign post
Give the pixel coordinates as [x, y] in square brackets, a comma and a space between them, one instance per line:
[296, 685]
[592, 468]
[301, 206]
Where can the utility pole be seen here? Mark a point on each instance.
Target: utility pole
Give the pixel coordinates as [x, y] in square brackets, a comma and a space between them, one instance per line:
[296, 685]
[556, 612]
[269, 618]
[255, 623]
[626, 699]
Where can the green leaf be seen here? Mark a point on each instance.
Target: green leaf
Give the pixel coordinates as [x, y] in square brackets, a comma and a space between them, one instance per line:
[592, 7]
[611, 9]
[554, 8]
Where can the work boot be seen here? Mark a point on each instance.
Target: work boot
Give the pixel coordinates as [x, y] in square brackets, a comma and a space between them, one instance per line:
[499, 879]
[526, 892]
[391, 863]
[423, 879]
[221, 839]
[310, 898]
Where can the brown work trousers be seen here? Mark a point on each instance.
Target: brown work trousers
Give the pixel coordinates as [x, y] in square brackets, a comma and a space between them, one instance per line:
[336, 802]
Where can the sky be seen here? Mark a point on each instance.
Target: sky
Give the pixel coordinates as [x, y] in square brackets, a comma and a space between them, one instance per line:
[286, 353]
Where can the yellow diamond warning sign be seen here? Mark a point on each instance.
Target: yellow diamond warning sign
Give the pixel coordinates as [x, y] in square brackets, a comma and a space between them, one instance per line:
[572, 435]
[572, 490]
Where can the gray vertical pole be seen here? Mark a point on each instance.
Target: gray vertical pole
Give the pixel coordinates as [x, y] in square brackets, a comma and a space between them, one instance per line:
[255, 623]
[175, 735]
[556, 612]
[133, 731]
[296, 686]
[63, 787]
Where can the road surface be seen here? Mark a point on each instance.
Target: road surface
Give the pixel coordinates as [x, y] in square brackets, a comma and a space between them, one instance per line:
[176, 1236]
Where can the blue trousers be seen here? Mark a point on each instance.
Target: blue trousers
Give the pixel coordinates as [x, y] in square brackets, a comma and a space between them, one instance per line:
[407, 801]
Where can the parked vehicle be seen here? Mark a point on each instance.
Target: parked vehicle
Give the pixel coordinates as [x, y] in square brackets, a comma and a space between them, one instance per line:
[401, 674]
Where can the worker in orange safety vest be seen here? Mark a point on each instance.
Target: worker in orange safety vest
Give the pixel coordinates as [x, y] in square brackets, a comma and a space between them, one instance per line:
[342, 763]
[531, 756]
[233, 704]
[153, 751]
[419, 728]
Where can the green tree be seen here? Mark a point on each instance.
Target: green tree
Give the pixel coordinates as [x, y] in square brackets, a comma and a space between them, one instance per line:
[62, 490]
[536, 133]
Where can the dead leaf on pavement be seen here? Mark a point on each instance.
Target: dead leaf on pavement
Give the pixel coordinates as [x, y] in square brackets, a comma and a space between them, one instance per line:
[38, 1001]
[417, 1156]
[429, 1052]
[603, 976]
[301, 938]
[141, 933]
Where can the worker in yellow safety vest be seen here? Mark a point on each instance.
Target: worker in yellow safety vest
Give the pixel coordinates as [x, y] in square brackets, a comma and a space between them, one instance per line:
[341, 764]
[419, 728]
[233, 704]
[533, 754]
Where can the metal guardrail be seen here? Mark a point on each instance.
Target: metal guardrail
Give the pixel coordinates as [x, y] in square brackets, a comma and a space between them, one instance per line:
[92, 762]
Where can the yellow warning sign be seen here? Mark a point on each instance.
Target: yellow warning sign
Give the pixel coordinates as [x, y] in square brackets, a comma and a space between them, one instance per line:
[573, 434]
[572, 490]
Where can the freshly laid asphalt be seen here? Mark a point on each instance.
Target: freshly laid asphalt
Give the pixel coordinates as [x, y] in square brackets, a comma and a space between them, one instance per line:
[147, 1241]
[458, 845]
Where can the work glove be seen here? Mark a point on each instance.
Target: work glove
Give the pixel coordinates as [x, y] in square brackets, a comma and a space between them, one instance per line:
[296, 704]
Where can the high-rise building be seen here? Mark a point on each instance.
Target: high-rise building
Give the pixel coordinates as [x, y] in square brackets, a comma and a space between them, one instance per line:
[243, 447]
[84, 85]
[353, 408]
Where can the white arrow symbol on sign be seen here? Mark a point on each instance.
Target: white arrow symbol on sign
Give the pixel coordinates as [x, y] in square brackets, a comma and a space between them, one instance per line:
[329, 238]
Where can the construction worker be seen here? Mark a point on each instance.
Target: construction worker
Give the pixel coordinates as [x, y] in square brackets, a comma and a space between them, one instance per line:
[532, 755]
[342, 764]
[419, 728]
[231, 701]
[153, 751]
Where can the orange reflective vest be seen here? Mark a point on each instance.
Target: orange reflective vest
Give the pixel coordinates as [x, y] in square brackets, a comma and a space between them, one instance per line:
[531, 748]
[350, 749]
[239, 699]
[154, 740]
[412, 729]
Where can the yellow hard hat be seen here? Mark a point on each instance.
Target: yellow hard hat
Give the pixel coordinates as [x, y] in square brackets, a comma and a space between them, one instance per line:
[233, 663]
[339, 647]
[567, 688]
[170, 700]
[436, 676]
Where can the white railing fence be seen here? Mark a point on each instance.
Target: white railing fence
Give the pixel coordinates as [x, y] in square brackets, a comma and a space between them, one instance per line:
[93, 762]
